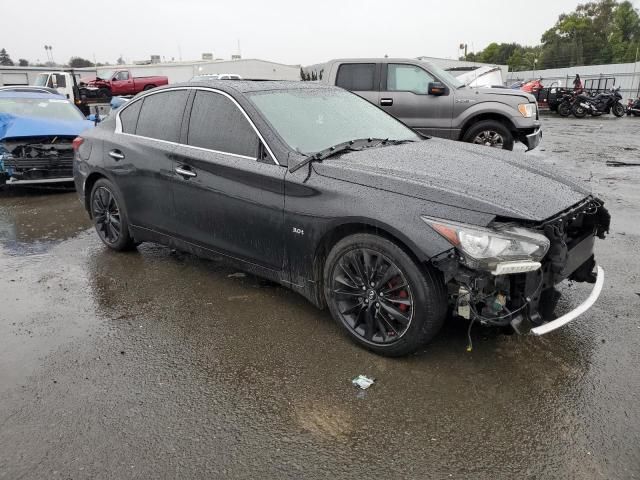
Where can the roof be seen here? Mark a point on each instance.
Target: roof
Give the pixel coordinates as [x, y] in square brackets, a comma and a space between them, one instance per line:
[245, 86]
[36, 95]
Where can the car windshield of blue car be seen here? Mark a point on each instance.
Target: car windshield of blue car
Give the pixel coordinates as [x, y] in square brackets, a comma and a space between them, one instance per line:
[41, 108]
[311, 120]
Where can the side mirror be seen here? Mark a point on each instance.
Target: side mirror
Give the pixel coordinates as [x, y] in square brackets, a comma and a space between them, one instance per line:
[436, 88]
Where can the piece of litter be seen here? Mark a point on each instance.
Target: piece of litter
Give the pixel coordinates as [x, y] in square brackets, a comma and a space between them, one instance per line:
[237, 275]
[363, 382]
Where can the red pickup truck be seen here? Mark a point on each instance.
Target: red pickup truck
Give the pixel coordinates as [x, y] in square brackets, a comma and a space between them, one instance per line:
[121, 82]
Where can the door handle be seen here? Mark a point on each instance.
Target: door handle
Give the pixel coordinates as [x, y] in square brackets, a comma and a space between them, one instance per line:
[185, 172]
[116, 155]
[386, 102]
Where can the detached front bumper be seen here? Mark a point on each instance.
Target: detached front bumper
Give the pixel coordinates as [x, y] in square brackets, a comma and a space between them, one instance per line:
[573, 314]
[532, 140]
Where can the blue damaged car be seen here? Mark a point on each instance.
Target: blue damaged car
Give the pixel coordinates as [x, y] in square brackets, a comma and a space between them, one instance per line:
[37, 131]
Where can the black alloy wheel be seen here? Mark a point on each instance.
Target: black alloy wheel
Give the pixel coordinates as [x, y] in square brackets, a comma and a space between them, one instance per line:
[564, 109]
[373, 296]
[382, 298]
[109, 217]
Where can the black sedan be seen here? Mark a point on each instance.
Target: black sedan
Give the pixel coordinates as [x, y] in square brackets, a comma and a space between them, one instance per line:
[321, 191]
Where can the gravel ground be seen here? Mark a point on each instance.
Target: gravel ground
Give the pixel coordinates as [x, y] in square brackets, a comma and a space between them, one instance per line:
[156, 364]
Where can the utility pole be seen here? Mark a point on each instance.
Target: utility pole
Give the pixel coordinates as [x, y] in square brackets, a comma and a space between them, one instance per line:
[633, 78]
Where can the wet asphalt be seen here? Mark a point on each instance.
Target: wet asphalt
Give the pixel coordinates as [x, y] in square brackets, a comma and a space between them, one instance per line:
[157, 364]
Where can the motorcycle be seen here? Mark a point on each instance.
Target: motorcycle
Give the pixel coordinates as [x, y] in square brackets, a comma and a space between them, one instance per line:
[566, 104]
[633, 107]
[608, 102]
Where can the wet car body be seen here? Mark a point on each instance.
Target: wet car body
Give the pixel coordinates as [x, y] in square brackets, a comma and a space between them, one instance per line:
[36, 147]
[280, 213]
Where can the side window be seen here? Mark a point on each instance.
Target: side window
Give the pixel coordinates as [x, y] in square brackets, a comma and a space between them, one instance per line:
[357, 77]
[61, 81]
[129, 117]
[218, 124]
[407, 78]
[122, 76]
[50, 81]
[161, 115]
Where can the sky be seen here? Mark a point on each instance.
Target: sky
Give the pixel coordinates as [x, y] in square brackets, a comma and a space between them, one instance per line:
[284, 31]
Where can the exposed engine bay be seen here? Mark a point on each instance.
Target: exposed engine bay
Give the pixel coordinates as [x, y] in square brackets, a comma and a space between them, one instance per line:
[36, 158]
[528, 299]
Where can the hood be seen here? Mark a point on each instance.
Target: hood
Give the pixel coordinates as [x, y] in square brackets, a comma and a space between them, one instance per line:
[12, 126]
[500, 92]
[462, 175]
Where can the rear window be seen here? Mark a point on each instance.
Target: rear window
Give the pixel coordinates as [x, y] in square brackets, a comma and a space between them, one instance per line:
[161, 115]
[129, 117]
[216, 123]
[357, 77]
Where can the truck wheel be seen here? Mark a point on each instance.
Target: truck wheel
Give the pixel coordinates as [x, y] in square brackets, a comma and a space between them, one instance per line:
[380, 297]
[490, 133]
[148, 87]
[104, 93]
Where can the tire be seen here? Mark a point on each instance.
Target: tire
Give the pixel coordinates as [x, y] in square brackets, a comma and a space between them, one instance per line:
[491, 133]
[578, 111]
[148, 87]
[104, 93]
[618, 109]
[404, 309]
[564, 109]
[107, 212]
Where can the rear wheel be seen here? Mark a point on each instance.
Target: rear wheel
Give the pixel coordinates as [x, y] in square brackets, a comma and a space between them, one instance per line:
[109, 217]
[490, 133]
[618, 109]
[380, 297]
[148, 87]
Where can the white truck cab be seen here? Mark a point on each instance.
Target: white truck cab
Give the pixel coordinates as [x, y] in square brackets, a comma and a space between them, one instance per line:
[60, 81]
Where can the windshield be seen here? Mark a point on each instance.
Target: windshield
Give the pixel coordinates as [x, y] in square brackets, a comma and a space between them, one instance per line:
[445, 76]
[312, 120]
[42, 108]
[106, 75]
[41, 80]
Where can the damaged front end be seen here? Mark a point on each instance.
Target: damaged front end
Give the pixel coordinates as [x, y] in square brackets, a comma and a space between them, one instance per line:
[38, 159]
[506, 274]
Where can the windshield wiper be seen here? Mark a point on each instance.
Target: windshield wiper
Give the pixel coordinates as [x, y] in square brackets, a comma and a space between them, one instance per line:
[350, 146]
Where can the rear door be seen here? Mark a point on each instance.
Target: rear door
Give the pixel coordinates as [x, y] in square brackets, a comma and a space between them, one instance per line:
[228, 191]
[362, 79]
[140, 157]
[404, 94]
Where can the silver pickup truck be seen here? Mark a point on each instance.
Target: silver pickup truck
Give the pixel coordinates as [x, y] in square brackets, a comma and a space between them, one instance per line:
[433, 102]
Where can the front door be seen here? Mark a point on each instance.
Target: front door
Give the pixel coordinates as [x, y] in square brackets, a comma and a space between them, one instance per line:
[226, 199]
[122, 83]
[404, 94]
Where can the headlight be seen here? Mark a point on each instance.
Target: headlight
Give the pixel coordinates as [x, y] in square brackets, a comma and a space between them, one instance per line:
[527, 110]
[485, 248]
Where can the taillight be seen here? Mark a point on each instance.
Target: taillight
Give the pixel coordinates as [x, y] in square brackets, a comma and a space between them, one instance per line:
[76, 143]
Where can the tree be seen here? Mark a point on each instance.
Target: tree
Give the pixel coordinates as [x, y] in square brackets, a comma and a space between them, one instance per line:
[79, 62]
[302, 77]
[5, 59]
[120, 60]
[23, 62]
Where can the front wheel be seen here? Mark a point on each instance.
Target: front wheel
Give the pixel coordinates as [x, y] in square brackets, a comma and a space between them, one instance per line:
[490, 133]
[109, 217]
[380, 297]
[618, 109]
[579, 111]
[564, 109]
